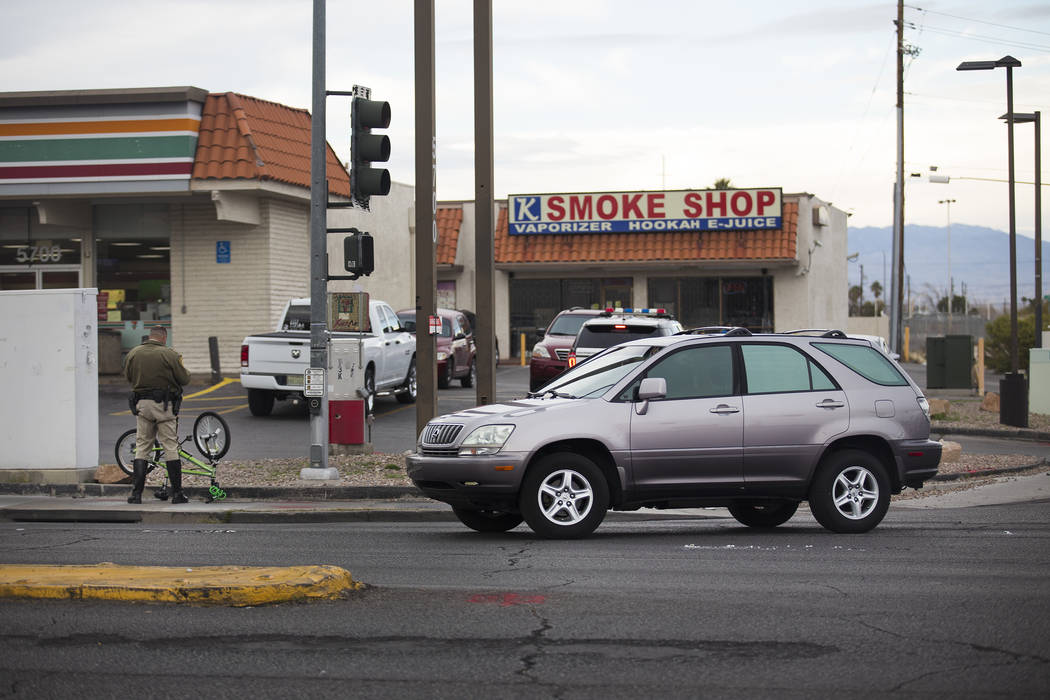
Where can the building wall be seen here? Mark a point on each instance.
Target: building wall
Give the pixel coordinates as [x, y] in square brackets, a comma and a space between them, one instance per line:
[813, 295]
[225, 300]
[388, 220]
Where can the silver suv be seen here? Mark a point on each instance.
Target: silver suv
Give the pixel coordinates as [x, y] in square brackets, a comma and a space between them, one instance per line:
[757, 423]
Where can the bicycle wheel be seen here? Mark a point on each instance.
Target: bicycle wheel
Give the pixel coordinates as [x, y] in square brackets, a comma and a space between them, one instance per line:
[125, 453]
[211, 435]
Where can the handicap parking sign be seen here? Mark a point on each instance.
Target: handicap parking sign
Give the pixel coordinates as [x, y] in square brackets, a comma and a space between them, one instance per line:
[222, 251]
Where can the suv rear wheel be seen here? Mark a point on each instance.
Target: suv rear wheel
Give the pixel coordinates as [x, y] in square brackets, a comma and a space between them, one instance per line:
[850, 493]
[763, 514]
[564, 496]
[488, 520]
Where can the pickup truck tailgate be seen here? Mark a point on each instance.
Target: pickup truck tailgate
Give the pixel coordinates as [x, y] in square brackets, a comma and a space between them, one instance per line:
[284, 352]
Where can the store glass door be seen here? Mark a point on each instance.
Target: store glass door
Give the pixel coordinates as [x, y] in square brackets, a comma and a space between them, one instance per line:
[53, 277]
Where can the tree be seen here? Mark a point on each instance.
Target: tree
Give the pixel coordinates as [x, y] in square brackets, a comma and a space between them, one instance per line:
[997, 341]
[876, 290]
[723, 183]
[854, 300]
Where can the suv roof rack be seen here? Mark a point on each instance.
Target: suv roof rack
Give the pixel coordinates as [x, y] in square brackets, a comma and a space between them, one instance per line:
[820, 332]
[716, 330]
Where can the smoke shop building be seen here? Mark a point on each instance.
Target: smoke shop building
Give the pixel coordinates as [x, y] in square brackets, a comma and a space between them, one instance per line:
[757, 258]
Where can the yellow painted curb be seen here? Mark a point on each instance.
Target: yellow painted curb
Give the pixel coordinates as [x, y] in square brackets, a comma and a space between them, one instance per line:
[200, 585]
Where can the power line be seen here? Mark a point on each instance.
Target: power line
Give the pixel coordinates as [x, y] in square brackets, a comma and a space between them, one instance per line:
[975, 37]
[979, 21]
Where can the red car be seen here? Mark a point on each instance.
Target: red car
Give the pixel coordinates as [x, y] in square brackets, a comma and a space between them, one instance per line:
[455, 346]
[550, 355]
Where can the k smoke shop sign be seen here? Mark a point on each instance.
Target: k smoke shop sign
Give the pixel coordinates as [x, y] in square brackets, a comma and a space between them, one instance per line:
[630, 212]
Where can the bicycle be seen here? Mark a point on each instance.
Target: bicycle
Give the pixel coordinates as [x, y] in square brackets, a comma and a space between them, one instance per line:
[211, 436]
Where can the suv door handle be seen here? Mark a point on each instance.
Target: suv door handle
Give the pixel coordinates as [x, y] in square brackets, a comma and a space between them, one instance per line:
[830, 403]
[723, 408]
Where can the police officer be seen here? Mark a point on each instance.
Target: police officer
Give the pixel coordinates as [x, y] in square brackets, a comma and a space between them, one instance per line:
[157, 376]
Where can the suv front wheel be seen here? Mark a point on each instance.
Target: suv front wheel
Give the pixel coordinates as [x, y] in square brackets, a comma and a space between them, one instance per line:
[850, 493]
[564, 496]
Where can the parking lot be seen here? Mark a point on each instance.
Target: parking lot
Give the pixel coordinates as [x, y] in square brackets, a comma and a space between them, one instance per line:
[286, 432]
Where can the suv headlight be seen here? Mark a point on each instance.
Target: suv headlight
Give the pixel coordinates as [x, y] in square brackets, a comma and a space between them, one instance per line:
[442, 356]
[540, 351]
[486, 440]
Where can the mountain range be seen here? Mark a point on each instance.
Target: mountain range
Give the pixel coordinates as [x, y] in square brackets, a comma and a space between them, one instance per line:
[980, 262]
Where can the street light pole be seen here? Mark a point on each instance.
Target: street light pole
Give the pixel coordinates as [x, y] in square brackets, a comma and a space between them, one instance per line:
[1034, 118]
[950, 282]
[1013, 391]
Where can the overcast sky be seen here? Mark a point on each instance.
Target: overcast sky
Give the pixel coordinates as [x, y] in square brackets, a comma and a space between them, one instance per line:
[611, 95]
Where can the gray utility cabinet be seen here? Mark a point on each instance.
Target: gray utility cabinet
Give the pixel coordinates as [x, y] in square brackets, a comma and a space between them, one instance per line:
[949, 362]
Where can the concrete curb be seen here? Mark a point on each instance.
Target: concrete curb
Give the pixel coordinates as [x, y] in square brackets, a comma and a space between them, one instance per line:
[293, 493]
[989, 472]
[236, 586]
[941, 428]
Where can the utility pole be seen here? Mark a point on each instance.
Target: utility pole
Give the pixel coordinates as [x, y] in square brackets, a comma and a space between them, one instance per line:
[897, 279]
[484, 205]
[951, 282]
[426, 212]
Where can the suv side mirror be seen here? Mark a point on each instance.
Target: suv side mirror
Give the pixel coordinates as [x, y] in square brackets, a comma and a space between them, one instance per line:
[652, 388]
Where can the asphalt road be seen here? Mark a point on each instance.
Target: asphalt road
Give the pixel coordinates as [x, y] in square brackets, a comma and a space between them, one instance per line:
[937, 602]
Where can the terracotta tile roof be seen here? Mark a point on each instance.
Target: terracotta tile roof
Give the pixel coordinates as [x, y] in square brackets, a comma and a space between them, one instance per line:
[243, 137]
[449, 220]
[646, 247]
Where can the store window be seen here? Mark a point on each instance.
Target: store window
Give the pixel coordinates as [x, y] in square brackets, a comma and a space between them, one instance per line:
[535, 302]
[133, 244]
[716, 301]
[33, 256]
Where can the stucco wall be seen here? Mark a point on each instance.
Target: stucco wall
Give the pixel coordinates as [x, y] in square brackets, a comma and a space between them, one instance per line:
[388, 221]
[813, 295]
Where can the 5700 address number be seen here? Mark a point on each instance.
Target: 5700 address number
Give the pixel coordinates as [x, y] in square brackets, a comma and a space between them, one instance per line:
[36, 253]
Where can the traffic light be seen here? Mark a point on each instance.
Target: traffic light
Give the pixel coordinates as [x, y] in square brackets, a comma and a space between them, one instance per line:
[367, 148]
[359, 253]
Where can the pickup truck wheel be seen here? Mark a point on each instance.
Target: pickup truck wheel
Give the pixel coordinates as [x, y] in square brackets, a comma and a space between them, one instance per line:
[446, 377]
[763, 514]
[488, 520]
[260, 402]
[471, 376]
[564, 496]
[370, 390]
[850, 493]
[411, 386]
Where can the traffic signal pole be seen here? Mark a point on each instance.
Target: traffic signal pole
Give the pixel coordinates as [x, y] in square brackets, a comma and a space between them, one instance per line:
[318, 468]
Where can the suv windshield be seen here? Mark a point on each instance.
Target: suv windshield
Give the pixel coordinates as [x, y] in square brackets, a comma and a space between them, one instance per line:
[568, 324]
[595, 376]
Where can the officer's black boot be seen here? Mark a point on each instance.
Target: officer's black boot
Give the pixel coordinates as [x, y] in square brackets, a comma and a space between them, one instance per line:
[138, 481]
[175, 475]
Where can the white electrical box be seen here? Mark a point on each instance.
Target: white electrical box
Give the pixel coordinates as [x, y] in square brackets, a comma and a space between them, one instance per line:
[346, 375]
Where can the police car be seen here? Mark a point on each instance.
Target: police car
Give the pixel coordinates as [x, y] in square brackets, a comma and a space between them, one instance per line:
[617, 325]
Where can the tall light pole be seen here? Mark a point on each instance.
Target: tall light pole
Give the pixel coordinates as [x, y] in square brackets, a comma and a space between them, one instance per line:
[951, 284]
[1013, 395]
[1033, 118]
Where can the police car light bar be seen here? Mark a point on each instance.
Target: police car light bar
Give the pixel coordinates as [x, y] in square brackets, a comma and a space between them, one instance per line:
[649, 312]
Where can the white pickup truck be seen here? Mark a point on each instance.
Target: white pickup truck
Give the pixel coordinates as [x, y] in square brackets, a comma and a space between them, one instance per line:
[273, 364]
